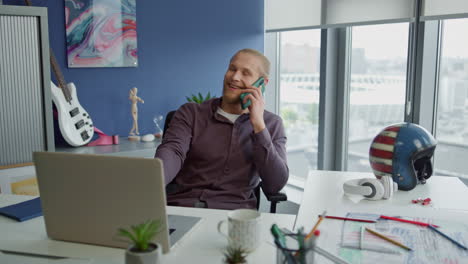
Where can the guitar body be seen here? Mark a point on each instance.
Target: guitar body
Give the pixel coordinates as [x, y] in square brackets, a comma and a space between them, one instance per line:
[75, 123]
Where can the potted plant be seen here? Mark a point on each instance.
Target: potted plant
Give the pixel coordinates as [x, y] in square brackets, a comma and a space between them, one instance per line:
[199, 98]
[142, 250]
[235, 255]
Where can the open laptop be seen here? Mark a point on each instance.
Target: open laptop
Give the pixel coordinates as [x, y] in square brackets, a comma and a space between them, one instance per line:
[87, 198]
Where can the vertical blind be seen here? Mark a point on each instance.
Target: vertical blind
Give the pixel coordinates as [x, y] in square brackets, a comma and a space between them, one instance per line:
[295, 14]
[22, 130]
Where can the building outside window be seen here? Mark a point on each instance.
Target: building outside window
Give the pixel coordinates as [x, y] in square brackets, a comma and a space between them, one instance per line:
[299, 98]
[452, 110]
[377, 86]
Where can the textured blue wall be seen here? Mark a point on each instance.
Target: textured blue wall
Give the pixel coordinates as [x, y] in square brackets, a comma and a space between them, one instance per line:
[184, 47]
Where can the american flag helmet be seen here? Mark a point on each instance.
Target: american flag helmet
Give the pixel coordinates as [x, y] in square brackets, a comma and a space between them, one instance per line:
[403, 151]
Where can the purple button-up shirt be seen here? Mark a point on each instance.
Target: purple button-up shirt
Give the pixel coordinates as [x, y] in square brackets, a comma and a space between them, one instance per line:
[218, 162]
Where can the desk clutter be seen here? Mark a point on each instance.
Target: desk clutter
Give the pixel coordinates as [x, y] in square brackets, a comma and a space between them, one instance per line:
[371, 238]
[303, 248]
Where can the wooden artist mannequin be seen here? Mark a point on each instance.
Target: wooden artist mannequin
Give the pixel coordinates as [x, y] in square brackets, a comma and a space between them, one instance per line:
[134, 110]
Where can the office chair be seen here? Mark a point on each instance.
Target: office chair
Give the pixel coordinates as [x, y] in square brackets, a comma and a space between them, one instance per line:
[274, 198]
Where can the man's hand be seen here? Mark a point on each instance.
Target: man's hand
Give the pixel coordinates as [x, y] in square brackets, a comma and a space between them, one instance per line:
[256, 108]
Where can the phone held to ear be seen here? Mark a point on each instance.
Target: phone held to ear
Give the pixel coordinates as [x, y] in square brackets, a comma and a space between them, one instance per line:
[258, 83]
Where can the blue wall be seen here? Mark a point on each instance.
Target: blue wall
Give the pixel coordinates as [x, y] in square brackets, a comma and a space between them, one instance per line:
[184, 47]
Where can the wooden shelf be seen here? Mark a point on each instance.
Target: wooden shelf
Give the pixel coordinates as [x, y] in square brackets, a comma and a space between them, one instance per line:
[125, 148]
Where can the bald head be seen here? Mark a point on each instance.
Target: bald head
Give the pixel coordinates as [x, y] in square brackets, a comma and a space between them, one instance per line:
[264, 62]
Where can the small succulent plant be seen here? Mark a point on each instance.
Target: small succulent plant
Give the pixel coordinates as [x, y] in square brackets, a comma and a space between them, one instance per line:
[142, 234]
[199, 98]
[234, 255]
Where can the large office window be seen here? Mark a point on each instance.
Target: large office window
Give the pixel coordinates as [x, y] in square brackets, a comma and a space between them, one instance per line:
[377, 86]
[299, 97]
[452, 111]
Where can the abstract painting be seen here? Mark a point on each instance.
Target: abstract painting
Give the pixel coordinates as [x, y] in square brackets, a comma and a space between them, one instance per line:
[101, 33]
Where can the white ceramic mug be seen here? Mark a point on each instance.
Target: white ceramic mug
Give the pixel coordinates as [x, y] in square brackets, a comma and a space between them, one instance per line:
[243, 229]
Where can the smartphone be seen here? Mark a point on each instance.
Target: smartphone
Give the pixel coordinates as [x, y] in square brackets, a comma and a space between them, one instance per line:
[258, 83]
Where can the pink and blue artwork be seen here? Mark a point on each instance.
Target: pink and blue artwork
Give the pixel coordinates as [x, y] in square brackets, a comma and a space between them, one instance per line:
[101, 33]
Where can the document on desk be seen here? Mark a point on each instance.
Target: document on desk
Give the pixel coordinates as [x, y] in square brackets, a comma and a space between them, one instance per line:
[427, 246]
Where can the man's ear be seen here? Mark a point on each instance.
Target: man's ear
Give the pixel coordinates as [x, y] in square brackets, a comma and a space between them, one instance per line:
[266, 80]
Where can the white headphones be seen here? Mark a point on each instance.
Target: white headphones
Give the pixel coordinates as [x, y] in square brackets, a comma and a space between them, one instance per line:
[371, 188]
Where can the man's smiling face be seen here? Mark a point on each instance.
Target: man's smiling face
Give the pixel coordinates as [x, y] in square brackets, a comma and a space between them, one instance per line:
[244, 69]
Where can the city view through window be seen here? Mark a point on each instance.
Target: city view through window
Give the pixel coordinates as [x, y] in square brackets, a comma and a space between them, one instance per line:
[299, 98]
[377, 94]
[377, 86]
[452, 112]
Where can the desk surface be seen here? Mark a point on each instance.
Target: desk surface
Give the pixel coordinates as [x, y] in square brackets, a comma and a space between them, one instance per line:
[201, 245]
[324, 191]
[124, 148]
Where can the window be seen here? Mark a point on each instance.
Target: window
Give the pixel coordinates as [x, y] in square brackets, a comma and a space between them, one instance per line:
[452, 111]
[299, 102]
[377, 86]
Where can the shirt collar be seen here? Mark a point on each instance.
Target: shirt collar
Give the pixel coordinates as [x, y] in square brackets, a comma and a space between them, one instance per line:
[215, 103]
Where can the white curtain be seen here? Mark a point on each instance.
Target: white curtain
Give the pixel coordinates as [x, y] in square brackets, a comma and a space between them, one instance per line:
[351, 12]
[440, 9]
[289, 14]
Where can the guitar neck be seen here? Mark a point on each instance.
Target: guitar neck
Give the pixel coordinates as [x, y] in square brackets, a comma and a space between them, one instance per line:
[59, 76]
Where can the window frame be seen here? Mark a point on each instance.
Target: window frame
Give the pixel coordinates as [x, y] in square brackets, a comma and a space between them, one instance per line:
[423, 71]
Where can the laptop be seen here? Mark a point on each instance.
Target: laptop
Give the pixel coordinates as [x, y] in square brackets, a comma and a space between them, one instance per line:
[87, 198]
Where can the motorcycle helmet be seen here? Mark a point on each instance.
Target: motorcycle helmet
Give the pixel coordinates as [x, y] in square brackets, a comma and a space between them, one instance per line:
[403, 151]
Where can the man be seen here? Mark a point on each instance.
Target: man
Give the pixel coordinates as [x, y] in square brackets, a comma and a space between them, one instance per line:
[216, 152]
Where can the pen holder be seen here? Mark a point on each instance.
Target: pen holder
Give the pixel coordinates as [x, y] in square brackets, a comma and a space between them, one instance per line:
[290, 255]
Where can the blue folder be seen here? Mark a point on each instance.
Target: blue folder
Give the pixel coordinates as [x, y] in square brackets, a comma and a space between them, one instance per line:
[23, 211]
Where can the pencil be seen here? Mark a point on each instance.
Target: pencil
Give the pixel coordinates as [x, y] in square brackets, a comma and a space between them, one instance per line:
[406, 221]
[311, 233]
[447, 237]
[361, 240]
[388, 239]
[350, 219]
[334, 258]
[372, 248]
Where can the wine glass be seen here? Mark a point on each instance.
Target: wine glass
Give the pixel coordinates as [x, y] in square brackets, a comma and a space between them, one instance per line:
[156, 120]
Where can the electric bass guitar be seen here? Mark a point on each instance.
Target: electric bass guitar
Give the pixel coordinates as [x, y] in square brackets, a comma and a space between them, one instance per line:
[75, 123]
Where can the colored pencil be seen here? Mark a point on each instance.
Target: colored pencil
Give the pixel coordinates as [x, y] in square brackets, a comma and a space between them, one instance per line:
[350, 219]
[447, 237]
[311, 233]
[406, 221]
[388, 239]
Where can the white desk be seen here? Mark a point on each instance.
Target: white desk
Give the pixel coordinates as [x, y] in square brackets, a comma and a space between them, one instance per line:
[202, 245]
[324, 191]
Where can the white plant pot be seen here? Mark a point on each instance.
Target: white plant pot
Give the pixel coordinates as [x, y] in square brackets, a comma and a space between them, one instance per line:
[150, 257]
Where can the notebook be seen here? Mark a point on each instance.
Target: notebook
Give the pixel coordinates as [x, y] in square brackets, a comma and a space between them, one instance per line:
[23, 211]
[87, 198]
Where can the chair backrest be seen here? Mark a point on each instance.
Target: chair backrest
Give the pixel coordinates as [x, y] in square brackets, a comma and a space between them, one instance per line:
[167, 121]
